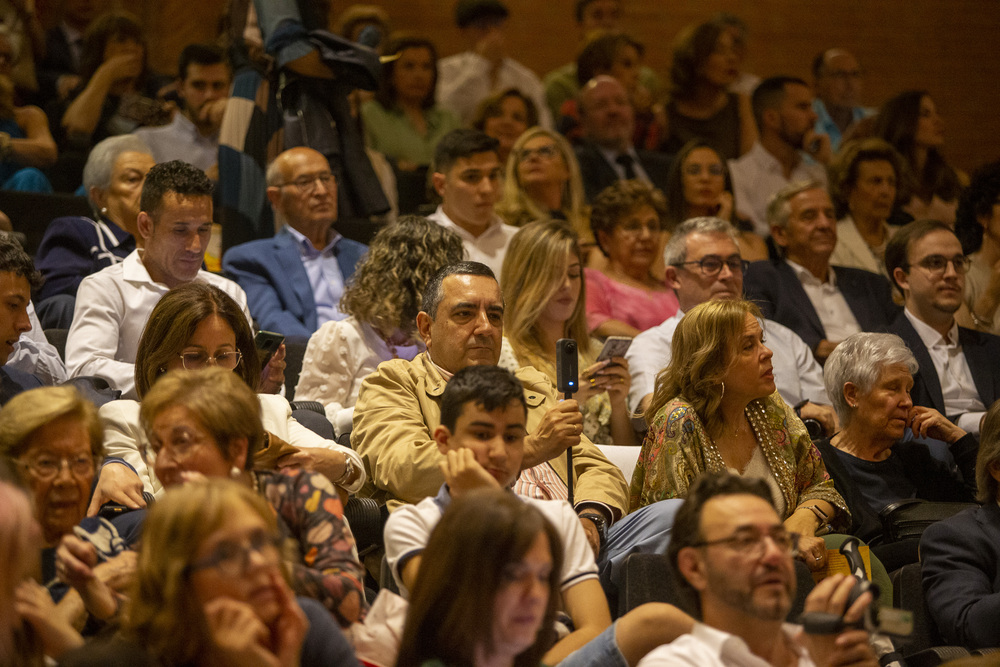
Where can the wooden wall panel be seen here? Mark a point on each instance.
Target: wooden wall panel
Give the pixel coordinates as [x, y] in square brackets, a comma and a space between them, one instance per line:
[945, 46]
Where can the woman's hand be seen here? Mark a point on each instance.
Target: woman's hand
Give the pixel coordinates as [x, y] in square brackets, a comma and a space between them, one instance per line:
[34, 605]
[725, 210]
[122, 66]
[329, 462]
[117, 484]
[239, 637]
[288, 631]
[812, 551]
[273, 376]
[610, 375]
[929, 423]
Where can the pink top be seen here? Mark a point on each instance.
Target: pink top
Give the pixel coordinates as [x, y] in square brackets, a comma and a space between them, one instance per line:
[609, 299]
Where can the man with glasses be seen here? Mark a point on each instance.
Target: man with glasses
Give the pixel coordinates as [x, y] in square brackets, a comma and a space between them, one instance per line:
[294, 280]
[958, 367]
[838, 78]
[112, 305]
[703, 263]
[731, 557]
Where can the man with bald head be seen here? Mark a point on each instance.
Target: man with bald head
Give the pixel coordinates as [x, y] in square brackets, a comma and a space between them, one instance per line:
[294, 280]
[606, 153]
[838, 80]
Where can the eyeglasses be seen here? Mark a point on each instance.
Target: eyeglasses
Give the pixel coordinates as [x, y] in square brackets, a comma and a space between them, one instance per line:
[232, 558]
[547, 152]
[711, 265]
[194, 361]
[939, 263]
[751, 543]
[46, 467]
[696, 169]
[181, 446]
[308, 183]
[635, 227]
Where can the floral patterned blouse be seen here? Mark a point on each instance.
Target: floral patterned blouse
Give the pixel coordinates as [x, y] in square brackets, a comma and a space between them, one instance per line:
[677, 449]
[311, 518]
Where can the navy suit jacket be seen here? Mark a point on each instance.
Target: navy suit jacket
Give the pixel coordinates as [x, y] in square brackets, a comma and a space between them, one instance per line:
[13, 382]
[981, 350]
[271, 272]
[598, 174]
[959, 563]
[775, 288]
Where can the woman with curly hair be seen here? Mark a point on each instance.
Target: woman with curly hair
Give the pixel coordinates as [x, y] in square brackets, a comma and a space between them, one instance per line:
[382, 302]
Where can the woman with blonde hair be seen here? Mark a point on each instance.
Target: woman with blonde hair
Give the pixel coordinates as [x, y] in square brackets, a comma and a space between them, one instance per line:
[545, 300]
[715, 407]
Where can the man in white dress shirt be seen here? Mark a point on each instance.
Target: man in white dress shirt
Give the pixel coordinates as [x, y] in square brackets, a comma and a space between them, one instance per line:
[112, 305]
[703, 262]
[468, 177]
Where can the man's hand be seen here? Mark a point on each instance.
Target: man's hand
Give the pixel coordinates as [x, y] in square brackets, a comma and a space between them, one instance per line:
[462, 473]
[211, 113]
[117, 484]
[929, 423]
[491, 47]
[849, 647]
[817, 145]
[824, 414]
[559, 430]
[593, 534]
[273, 375]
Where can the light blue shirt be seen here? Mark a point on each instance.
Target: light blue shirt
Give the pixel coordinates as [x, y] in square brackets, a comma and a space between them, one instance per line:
[825, 124]
[325, 276]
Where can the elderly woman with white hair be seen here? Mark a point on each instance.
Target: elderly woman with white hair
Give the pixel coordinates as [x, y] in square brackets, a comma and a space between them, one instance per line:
[868, 378]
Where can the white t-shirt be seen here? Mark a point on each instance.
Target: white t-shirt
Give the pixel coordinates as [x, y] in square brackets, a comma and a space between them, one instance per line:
[706, 646]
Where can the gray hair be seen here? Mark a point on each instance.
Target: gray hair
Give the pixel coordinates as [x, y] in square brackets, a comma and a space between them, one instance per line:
[860, 360]
[779, 210]
[989, 451]
[101, 161]
[675, 251]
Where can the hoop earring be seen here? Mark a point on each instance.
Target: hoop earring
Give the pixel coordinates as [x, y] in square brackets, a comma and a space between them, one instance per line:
[722, 395]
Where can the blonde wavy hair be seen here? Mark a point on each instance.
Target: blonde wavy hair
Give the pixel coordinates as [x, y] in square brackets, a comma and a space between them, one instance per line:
[388, 284]
[533, 270]
[703, 349]
[31, 410]
[517, 208]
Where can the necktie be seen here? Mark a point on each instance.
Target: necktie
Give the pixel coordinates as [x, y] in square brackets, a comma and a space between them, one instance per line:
[626, 161]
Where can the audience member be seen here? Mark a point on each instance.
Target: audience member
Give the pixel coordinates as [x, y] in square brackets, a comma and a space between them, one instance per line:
[606, 153]
[210, 586]
[715, 408]
[76, 247]
[381, 302]
[505, 116]
[544, 299]
[17, 278]
[823, 304]
[112, 305]
[788, 150]
[703, 263]
[20, 22]
[295, 280]
[864, 178]
[25, 140]
[977, 225]
[404, 122]
[869, 377]
[203, 79]
[910, 122]
[624, 298]
[485, 67]
[192, 327]
[466, 175]
[960, 556]
[734, 561]
[957, 366]
[746, 81]
[59, 72]
[543, 181]
[699, 186]
[838, 79]
[706, 64]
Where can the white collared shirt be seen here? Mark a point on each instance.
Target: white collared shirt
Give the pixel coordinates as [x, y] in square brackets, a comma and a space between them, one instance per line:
[488, 248]
[834, 314]
[706, 646]
[957, 385]
[181, 140]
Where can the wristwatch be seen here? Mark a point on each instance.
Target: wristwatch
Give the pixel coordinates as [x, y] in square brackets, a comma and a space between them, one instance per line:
[600, 522]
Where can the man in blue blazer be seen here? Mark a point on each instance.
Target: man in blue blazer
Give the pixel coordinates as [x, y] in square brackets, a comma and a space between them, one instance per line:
[294, 280]
[959, 373]
[822, 303]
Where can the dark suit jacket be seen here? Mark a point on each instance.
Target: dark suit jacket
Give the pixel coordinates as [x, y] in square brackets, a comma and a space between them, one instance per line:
[981, 350]
[959, 562]
[279, 295]
[598, 174]
[13, 382]
[777, 291]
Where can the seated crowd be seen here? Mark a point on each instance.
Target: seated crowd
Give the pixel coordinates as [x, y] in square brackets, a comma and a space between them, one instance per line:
[419, 372]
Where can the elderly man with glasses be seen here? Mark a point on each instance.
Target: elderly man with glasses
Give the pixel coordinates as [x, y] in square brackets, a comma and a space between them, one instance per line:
[294, 280]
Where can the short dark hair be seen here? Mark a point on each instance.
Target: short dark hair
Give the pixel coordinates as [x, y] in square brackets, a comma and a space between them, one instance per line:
[581, 7]
[600, 53]
[492, 107]
[619, 200]
[491, 387]
[13, 259]
[432, 293]
[898, 249]
[200, 54]
[770, 93]
[176, 176]
[687, 523]
[977, 200]
[468, 12]
[462, 143]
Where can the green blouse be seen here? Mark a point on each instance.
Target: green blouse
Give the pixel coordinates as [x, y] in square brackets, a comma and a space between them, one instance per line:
[391, 133]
